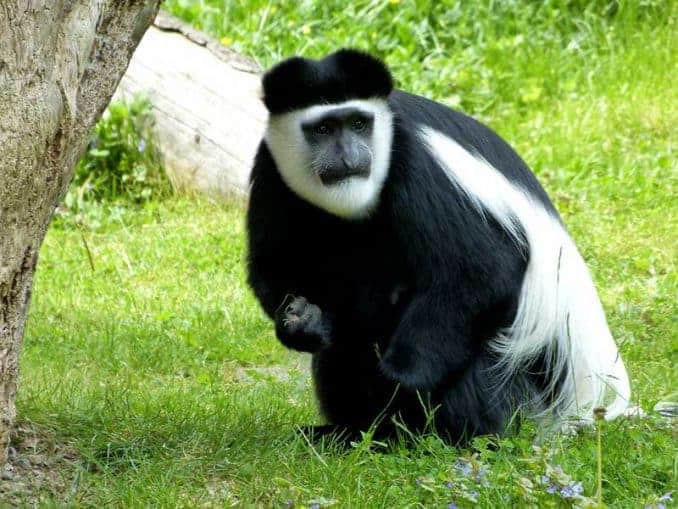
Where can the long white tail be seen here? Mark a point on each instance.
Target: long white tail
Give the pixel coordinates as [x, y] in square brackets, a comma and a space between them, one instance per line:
[559, 312]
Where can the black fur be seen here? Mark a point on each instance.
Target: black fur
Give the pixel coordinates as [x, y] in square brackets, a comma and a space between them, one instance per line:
[346, 74]
[406, 300]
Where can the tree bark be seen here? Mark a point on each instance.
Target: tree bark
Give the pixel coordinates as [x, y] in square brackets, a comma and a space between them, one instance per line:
[60, 62]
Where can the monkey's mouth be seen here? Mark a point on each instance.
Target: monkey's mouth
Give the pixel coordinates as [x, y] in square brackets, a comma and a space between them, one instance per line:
[331, 177]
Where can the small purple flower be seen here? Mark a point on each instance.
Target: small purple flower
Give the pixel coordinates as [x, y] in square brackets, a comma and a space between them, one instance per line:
[464, 467]
[661, 505]
[572, 490]
[142, 145]
[314, 505]
[545, 479]
[551, 488]
[449, 485]
[567, 492]
[666, 497]
[451, 505]
[480, 474]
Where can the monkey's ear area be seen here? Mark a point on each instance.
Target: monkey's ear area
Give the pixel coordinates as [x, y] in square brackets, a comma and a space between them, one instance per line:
[347, 74]
[282, 82]
[372, 73]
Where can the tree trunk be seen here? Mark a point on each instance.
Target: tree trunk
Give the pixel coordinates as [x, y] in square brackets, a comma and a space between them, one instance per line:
[60, 61]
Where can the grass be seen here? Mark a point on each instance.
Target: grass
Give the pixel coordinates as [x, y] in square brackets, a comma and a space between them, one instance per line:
[160, 370]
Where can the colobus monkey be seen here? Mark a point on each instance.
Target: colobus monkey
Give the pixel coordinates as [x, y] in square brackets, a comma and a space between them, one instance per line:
[414, 254]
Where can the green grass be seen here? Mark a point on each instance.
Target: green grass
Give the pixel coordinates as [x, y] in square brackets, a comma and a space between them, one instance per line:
[121, 161]
[164, 375]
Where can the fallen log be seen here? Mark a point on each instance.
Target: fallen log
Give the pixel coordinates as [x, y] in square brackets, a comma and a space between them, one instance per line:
[206, 100]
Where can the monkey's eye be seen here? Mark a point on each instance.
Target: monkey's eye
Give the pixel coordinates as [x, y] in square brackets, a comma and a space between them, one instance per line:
[322, 129]
[358, 124]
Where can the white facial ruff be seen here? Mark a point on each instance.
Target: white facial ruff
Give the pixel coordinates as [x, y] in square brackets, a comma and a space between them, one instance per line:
[558, 310]
[353, 198]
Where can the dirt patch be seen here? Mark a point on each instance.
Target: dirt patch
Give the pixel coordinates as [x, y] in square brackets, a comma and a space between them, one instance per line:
[40, 470]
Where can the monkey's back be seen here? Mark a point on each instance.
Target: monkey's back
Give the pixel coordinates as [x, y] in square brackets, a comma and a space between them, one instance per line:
[413, 111]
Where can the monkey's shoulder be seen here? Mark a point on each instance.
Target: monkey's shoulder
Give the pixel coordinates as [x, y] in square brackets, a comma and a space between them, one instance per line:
[413, 112]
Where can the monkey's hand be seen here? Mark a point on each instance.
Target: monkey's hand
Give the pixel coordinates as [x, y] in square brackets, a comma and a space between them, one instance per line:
[301, 325]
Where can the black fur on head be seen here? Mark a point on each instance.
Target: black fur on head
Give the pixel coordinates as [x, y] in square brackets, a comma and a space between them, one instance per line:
[341, 76]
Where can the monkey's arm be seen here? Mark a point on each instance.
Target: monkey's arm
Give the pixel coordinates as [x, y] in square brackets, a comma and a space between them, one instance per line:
[269, 272]
[299, 324]
[270, 286]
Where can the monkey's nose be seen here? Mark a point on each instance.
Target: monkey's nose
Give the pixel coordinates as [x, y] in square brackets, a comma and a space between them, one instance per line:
[355, 160]
[351, 163]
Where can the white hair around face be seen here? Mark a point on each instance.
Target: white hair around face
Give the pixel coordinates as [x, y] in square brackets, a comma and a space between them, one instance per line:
[353, 198]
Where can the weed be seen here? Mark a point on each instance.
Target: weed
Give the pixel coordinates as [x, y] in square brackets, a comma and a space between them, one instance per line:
[121, 166]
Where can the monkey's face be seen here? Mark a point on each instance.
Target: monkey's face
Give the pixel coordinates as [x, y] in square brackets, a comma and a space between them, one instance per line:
[340, 142]
[334, 156]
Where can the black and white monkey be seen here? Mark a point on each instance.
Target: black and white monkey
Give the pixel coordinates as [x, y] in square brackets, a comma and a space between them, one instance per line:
[414, 254]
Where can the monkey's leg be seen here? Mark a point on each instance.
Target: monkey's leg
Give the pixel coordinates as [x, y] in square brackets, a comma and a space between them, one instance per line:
[352, 392]
[476, 402]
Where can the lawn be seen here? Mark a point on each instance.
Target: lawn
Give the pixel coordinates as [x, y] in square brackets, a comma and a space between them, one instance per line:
[162, 380]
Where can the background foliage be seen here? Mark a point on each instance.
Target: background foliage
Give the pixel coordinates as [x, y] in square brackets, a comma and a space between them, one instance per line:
[121, 168]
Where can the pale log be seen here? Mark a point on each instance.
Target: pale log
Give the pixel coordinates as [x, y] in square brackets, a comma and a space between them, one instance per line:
[207, 107]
